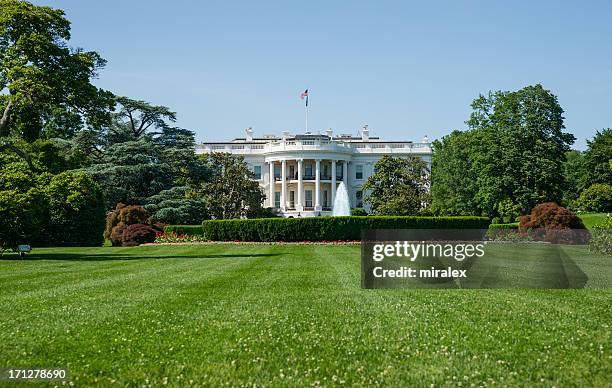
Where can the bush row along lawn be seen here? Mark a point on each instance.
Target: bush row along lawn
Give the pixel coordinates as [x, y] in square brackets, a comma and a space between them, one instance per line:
[289, 315]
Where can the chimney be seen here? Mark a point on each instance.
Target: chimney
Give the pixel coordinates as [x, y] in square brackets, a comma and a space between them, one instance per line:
[249, 134]
[329, 132]
[285, 135]
[425, 139]
[365, 133]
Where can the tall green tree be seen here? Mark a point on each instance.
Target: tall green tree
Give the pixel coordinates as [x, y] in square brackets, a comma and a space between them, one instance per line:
[45, 86]
[230, 191]
[454, 181]
[515, 155]
[598, 158]
[140, 155]
[398, 187]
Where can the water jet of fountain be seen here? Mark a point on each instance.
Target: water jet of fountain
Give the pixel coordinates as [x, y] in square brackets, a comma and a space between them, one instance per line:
[342, 206]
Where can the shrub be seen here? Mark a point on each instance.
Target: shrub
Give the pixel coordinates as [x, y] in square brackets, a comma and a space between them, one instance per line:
[122, 217]
[551, 222]
[601, 237]
[193, 230]
[137, 234]
[326, 228]
[75, 210]
[504, 226]
[597, 198]
[358, 211]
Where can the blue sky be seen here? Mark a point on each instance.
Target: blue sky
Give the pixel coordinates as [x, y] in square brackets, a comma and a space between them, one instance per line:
[405, 68]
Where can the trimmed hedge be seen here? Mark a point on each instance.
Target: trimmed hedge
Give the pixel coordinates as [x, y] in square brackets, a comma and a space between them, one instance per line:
[192, 230]
[514, 225]
[326, 228]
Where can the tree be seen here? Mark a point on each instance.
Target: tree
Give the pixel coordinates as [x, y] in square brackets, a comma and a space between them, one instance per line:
[398, 187]
[230, 191]
[140, 154]
[172, 206]
[130, 172]
[598, 159]
[513, 157]
[75, 210]
[45, 84]
[597, 198]
[575, 176]
[48, 209]
[454, 181]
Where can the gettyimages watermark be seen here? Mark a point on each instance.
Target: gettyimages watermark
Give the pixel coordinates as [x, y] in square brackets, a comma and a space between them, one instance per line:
[475, 258]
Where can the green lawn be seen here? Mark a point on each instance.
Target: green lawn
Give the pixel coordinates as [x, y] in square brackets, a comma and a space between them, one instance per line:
[289, 315]
[590, 219]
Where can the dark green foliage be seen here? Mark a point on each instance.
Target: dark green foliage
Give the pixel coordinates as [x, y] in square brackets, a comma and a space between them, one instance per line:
[172, 206]
[192, 230]
[40, 208]
[131, 171]
[76, 210]
[137, 234]
[398, 187]
[47, 83]
[575, 176]
[230, 191]
[358, 211]
[510, 160]
[601, 237]
[597, 198]
[326, 228]
[597, 159]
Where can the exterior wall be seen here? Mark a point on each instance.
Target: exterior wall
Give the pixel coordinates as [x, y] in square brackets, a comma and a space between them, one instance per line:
[352, 151]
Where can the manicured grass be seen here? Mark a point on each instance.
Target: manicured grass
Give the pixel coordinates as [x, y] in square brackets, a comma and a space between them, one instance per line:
[289, 315]
[591, 219]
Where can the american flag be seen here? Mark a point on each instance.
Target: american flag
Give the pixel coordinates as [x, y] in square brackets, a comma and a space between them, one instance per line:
[304, 95]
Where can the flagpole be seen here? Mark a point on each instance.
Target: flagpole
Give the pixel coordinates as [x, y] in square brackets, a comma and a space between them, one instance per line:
[306, 114]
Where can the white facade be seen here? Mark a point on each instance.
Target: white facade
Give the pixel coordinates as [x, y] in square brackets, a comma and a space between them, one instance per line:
[313, 165]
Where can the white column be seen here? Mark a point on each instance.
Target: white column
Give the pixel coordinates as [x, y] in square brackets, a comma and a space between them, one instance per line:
[300, 204]
[345, 173]
[318, 186]
[284, 185]
[333, 184]
[272, 184]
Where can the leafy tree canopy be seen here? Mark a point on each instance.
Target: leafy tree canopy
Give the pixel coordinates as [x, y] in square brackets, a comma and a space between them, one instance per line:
[230, 191]
[398, 187]
[44, 84]
[513, 157]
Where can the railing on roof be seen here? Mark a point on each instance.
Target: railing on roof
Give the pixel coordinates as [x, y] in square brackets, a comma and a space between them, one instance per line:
[316, 145]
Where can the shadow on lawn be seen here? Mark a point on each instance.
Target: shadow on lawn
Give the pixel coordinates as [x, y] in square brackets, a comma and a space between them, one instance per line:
[123, 256]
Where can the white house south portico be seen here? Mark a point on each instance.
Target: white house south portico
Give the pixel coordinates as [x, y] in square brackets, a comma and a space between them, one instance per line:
[300, 173]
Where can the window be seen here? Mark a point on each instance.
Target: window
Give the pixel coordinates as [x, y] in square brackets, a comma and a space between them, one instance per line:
[292, 172]
[308, 195]
[359, 198]
[308, 171]
[257, 172]
[325, 201]
[292, 199]
[277, 171]
[359, 171]
[277, 199]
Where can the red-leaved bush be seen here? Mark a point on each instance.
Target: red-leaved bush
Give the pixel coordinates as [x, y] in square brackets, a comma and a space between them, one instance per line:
[137, 234]
[119, 221]
[551, 222]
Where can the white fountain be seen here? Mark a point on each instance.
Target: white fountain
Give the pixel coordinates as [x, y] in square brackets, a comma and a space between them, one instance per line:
[342, 205]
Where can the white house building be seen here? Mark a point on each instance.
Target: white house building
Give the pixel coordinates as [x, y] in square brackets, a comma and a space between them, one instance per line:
[300, 173]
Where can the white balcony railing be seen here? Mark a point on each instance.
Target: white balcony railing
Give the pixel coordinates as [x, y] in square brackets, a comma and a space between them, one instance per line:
[315, 145]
